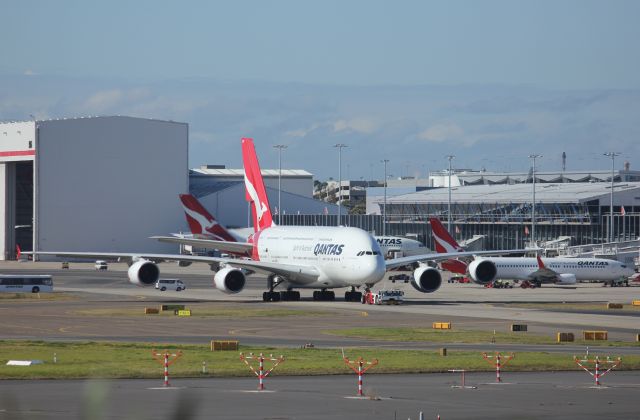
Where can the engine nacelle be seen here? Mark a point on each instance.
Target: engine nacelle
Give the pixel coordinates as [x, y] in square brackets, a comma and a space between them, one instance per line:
[143, 273]
[483, 271]
[566, 279]
[426, 279]
[229, 280]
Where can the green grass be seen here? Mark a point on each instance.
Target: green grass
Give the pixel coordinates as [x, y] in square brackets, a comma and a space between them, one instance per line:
[134, 360]
[22, 297]
[577, 306]
[203, 311]
[460, 336]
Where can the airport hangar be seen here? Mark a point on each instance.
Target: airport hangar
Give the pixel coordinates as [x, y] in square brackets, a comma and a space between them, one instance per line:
[106, 184]
[90, 184]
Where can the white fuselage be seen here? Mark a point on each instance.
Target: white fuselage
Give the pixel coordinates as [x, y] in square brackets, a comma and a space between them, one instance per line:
[405, 246]
[341, 256]
[585, 269]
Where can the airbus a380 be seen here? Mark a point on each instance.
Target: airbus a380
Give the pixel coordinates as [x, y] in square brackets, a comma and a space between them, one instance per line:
[292, 257]
[556, 270]
[204, 227]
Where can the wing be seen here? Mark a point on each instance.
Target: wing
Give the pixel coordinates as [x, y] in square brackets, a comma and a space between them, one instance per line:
[235, 247]
[398, 262]
[293, 273]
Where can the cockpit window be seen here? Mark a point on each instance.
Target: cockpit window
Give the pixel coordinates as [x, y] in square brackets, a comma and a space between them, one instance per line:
[361, 253]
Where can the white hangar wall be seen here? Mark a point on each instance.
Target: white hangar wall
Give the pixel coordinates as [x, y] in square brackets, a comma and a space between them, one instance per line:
[108, 183]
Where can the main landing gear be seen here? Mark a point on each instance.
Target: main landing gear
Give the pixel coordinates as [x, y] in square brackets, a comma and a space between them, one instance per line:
[272, 296]
[352, 296]
[324, 295]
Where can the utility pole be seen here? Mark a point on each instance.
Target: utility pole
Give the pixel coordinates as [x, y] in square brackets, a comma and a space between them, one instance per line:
[612, 155]
[384, 204]
[340, 146]
[450, 157]
[533, 207]
[279, 147]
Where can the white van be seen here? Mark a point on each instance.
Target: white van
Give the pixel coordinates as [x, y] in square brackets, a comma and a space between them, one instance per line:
[101, 265]
[170, 284]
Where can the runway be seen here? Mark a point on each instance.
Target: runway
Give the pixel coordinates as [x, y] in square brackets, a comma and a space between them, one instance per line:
[567, 395]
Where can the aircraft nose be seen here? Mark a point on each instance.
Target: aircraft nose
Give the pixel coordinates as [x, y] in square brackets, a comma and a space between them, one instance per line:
[375, 270]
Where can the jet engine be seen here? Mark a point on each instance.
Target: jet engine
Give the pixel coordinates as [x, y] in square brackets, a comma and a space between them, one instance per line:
[482, 271]
[566, 279]
[229, 280]
[426, 279]
[143, 273]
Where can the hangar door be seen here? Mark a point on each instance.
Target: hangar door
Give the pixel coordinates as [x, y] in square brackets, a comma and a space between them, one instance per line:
[18, 207]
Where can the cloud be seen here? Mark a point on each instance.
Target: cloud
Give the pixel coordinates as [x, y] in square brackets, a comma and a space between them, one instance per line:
[441, 132]
[359, 125]
[29, 72]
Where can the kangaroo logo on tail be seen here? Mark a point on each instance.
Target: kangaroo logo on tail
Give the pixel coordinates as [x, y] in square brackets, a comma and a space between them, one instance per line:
[443, 240]
[256, 193]
[201, 222]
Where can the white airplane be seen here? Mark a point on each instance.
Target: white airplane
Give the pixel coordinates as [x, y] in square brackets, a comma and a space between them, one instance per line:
[204, 226]
[292, 257]
[532, 271]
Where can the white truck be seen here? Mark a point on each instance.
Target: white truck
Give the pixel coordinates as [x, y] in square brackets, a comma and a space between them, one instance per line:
[384, 297]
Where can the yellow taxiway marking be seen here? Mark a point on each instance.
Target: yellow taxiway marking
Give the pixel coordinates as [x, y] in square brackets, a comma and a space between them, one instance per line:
[140, 297]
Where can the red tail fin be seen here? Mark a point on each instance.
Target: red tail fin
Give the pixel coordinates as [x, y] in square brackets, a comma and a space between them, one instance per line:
[201, 222]
[540, 263]
[255, 191]
[18, 252]
[443, 239]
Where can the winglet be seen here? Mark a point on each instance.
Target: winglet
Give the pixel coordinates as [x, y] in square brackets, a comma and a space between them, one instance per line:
[254, 185]
[443, 239]
[201, 222]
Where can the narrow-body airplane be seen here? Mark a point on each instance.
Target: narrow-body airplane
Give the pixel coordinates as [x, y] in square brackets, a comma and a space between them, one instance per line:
[535, 271]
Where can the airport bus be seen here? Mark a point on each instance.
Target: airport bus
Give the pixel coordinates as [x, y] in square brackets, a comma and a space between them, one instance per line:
[27, 283]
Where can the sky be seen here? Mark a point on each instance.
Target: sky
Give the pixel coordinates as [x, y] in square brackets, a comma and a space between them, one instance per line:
[490, 82]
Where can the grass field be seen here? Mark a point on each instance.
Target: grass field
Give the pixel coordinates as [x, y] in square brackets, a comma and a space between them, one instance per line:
[22, 297]
[577, 306]
[204, 311]
[461, 336]
[134, 360]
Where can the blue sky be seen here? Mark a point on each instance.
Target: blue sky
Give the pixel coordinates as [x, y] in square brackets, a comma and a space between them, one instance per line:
[411, 81]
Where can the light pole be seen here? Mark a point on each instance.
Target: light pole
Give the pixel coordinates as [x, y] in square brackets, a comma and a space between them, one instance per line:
[339, 146]
[450, 157]
[533, 207]
[384, 203]
[612, 155]
[279, 147]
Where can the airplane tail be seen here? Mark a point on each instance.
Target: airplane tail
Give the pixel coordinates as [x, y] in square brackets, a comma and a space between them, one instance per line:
[18, 252]
[201, 222]
[255, 191]
[540, 263]
[443, 239]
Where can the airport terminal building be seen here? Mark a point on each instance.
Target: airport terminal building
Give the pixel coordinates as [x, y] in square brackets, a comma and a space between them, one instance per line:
[90, 184]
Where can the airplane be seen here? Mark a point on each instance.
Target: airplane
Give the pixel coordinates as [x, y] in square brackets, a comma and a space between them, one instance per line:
[204, 226]
[292, 257]
[531, 271]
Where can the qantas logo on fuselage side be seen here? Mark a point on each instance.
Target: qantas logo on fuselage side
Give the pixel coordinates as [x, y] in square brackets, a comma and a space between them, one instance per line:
[592, 263]
[389, 241]
[328, 249]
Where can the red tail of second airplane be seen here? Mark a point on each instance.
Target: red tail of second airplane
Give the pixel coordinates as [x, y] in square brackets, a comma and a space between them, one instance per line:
[445, 243]
[443, 239]
[254, 185]
[201, 222]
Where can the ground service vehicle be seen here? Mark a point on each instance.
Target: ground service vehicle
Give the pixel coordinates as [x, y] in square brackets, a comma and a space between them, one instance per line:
[170, 284]
[27, 283]
[101, 265]
[383, 297]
